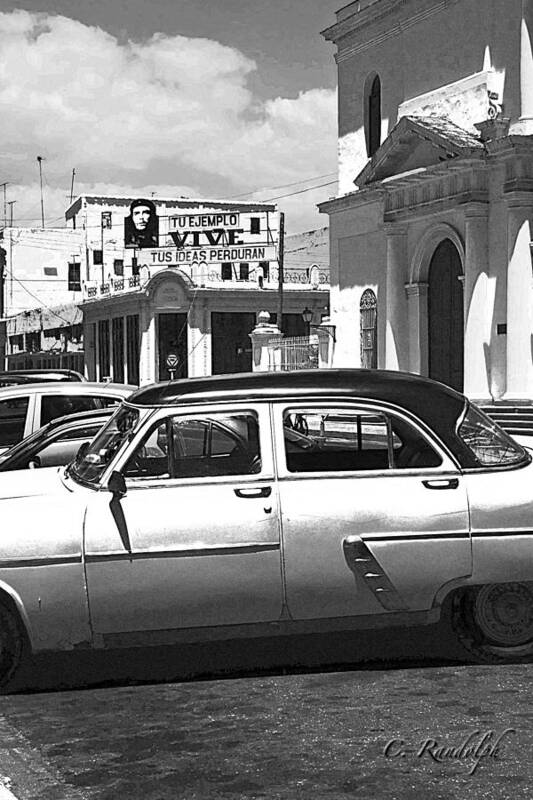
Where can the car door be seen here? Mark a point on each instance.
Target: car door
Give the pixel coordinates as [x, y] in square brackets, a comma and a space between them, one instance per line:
[16, 413]
[195, 541]
[374, 513]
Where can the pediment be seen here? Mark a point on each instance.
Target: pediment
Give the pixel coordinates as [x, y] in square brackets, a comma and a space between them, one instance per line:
[417, 143]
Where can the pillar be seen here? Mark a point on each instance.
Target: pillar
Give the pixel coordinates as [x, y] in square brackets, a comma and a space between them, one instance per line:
[396, 335]
[519, 370]
[526, 69]
[417, 314]
[147, 348]
[477, 307]
[261, 335]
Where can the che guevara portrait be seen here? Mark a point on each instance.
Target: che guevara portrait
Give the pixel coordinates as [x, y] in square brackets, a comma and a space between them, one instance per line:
[141, 227]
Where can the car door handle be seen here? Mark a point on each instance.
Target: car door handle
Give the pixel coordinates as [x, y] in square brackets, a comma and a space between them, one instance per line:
[446, 483]
[263, 491]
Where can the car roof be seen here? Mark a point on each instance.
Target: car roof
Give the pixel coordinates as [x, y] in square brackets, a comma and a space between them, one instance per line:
[25, 375]
[437, 405]
[68, 387]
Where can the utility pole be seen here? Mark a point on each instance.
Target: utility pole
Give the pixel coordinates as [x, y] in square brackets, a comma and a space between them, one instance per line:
[4, 185]
[11, 203]
[281, 255]
[40, 160]
[72, 185]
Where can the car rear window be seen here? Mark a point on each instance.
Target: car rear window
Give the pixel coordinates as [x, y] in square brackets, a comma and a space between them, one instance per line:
[490, 444]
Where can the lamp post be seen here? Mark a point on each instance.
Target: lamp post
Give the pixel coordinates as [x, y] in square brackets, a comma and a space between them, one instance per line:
[307, 316]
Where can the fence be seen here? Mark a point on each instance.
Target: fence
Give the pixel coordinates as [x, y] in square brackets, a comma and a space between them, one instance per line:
[292, 353]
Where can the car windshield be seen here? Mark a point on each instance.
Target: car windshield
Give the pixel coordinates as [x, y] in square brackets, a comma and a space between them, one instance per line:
[91, 462]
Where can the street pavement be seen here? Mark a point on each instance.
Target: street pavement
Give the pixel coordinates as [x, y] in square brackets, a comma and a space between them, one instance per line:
[399, 714]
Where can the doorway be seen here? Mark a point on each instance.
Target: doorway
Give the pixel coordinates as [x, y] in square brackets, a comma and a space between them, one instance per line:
[231, 346]
[172, 339]
[446, 316]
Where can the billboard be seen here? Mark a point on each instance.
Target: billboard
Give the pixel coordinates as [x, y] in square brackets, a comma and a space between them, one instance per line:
[216, 237]
[141, 227]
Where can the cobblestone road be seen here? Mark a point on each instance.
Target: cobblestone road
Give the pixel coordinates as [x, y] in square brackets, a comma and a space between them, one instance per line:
[288, 734]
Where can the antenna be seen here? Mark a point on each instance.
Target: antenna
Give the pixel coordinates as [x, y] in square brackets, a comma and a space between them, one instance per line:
[40, 159]
[72, 185]
[11, 203]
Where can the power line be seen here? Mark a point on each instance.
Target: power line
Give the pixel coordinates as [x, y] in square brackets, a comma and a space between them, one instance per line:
[283, 186]
[292, 194]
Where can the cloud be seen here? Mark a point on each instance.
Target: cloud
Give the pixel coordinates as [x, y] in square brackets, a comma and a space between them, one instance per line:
[121, 112]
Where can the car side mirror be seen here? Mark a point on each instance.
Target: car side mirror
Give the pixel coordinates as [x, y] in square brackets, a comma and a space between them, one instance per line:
[117, 484]
[82, 449]
[34, 463]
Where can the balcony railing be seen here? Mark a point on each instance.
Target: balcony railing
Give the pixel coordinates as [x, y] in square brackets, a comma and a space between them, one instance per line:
[200, 276]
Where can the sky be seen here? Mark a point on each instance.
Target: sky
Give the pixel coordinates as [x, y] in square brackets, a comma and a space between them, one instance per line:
[221, 99]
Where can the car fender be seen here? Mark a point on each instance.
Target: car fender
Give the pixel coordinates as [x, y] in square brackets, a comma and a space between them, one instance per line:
[41, 567]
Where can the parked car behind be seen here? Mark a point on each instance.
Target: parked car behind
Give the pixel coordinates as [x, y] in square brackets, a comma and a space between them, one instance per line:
[13, 377]
[273, 504]
[27, 407]
[55, 444]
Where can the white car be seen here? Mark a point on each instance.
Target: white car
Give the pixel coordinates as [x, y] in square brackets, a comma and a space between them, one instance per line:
[273, 504]
[27, 407]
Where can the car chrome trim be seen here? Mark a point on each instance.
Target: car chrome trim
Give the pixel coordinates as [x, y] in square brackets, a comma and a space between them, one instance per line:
[376, 537]
[506, 532]
[185, 552]
[44, 561]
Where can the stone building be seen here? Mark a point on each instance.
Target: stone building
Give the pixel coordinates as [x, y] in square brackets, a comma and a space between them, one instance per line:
[430, 235]
[182, 298]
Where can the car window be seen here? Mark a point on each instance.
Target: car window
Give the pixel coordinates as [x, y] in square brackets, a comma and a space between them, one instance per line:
[12, 420]
[60, 405]
[491, 445]
[336, 440]
[199, 446]
[86, 431]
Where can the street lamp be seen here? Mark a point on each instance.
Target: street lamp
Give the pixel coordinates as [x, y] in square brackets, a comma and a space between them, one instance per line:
[307, 316]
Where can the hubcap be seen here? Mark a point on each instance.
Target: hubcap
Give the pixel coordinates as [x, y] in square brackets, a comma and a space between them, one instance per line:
[504, 613]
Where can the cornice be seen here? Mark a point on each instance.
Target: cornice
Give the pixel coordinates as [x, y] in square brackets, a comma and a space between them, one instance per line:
[352, 200]
[355, 25]
[371, 13]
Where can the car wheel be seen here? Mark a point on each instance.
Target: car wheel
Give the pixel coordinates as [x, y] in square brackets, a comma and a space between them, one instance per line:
[11, 644]
[495, 622]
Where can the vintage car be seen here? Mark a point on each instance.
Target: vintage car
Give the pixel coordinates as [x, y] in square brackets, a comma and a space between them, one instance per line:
[56, 443]
[273, 504]
[26, 407]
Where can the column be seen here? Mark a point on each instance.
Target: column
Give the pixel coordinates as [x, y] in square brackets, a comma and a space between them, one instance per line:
[147, 348]
[417, 314]
[396, 329]
[519, 294]
[261, 335]
[526, 69]
[477, 307]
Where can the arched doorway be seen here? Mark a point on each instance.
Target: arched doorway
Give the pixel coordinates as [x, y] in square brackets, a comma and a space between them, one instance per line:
[446, 316]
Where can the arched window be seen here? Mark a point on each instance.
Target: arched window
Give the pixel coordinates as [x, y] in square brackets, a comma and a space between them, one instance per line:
[368, 315]
[372, 115]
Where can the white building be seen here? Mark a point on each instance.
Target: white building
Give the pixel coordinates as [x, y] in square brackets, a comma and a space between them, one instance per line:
[188, 286]
[41, 286]
[430, 235]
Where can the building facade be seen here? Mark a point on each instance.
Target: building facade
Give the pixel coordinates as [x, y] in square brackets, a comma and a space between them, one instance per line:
[40, 287]
[430, 235]
[178, 293]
